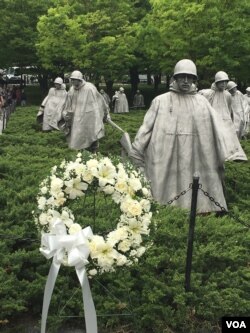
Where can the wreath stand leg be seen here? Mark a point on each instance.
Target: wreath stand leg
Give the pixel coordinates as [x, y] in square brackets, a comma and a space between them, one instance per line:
[89, 307]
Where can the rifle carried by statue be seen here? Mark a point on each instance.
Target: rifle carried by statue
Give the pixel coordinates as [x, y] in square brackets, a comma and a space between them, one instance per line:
[125, 139]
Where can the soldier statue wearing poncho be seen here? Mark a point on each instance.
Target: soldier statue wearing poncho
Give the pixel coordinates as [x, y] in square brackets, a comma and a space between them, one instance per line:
[240, 109]
[50, 111]
[182, 135]
[221, 100]
[85, 111]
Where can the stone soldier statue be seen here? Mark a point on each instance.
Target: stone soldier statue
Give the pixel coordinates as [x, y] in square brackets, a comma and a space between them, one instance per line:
[240, 109]
[50, 110]
[85, 111]
[182, 135]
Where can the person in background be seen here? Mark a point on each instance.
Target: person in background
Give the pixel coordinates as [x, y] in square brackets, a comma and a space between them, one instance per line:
[10, 102]
[1, 110]
[50, 110]
[240, 109]
[85, 112]
[23, 98]
[221, 100]
[121, 103]
[18, 95]
[2, 94]
[2, 81]
[14, 96]
[138, 101]
[183, 135]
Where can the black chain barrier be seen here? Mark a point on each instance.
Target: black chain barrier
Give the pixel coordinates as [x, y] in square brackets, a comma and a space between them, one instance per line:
[182, 193]
[223, 209]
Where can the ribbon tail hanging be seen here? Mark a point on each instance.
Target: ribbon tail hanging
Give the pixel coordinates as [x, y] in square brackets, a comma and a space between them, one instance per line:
[50, 283]
[89, 307]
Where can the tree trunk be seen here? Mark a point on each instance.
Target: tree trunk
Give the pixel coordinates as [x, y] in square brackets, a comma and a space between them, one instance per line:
[149, 80]
[134, 80]
[43, 82]
[109, 86]
[157, 81]
[168, 77]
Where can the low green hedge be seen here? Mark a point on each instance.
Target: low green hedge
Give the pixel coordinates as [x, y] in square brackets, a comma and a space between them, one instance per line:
[149, 297]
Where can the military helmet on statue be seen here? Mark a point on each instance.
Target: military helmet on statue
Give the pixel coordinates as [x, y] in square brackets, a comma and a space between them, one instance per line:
[59, 80]
[221, 76]
[77, 75]
[185, 66]
[231, 85]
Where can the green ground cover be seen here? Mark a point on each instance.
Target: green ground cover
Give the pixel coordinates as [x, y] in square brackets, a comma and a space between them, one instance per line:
[149, 297]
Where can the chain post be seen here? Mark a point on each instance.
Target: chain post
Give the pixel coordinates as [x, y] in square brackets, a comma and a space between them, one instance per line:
[192, 217]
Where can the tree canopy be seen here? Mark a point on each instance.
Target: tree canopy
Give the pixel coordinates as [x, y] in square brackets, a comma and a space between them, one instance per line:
[211, 33]
[107, 38]
[96, 37]
[18, 31]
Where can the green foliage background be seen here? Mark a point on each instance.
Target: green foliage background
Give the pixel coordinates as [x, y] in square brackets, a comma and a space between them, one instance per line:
[150, 297]
[108, 38]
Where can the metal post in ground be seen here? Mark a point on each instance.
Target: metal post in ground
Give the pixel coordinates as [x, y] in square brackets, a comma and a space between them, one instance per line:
[195, 187]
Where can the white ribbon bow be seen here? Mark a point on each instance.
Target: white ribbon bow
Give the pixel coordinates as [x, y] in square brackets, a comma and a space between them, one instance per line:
[56, 245]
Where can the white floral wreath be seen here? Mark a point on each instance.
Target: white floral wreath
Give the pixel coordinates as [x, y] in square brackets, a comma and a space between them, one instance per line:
[71, 180]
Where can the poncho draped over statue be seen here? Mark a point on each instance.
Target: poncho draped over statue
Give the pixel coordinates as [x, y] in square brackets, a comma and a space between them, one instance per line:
[53, 105]
[138, 101]
[85, 107]
[182, 135]
[106, 98]
[240, 112]
[121, 103]
[247, 99]
[221, 101]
